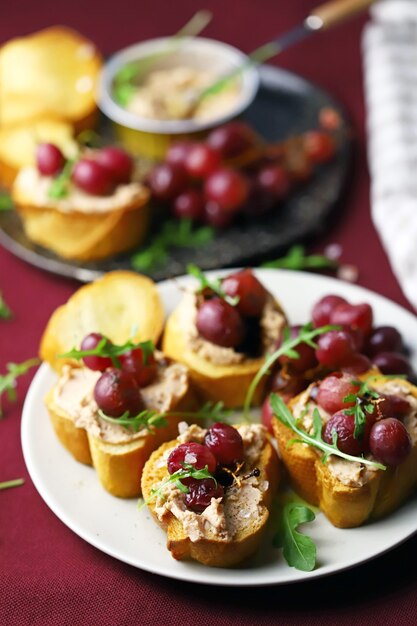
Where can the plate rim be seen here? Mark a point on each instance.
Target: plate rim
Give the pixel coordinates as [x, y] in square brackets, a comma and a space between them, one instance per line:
[226, 576]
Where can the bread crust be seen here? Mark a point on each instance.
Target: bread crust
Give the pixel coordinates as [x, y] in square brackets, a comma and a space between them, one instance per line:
[210, 550]
[345, 506]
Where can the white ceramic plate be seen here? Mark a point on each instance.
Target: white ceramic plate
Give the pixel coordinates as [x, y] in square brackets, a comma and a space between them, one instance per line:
[116, 527]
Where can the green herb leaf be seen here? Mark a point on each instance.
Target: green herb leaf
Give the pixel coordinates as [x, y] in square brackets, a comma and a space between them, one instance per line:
[306, 335]
[5, 311]
[111, 350]
[215, 284]
[8, 381]
[187, 471]
[299, 550]
[60, 185]
[282, 412]
[361, 404]
[151, 418]
[296, 259]
[12, 483]
[6, 202]
[173, 234]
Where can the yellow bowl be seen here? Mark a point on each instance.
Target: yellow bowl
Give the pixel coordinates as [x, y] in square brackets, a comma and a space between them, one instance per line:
[151, 137]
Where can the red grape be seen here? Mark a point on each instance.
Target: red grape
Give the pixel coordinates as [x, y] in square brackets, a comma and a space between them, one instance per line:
[194, 454]
[356, 364]
[176, 154]
[323, 309]
[98, 363]
[287, 386]
[201, 160]
[267, 415]
[306, 354]
[251, 293]
[228, 187]
[353, 315]
[383, 339]
[332, 391]
[216, 216]
[319, 146]
[92, 177]
[133, 362]
[200, 493]
[189, 205]
[220, 323]
[116, 392]
[167, 181]
[389, 441]
[392, 363]
[344, 425]
[232, 139]
[225, 443]
[49, 159]
[274, 180]
[117, 162]
[391, 406]
[334, 347]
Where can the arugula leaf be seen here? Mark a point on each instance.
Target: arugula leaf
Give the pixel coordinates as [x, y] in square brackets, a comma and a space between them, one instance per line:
[6, 203]
[187, 471]
[299, 550]
[362, 404]
[60, 185]
[8, 381]
[5, 311]
[296, 259]
[306, 335]
[215, 284]
[173, 234]
[12, 483]
[111, 350]
[282, 412]
[150, 418]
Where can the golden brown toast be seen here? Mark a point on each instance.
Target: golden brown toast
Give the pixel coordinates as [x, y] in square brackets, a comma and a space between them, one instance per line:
[347, 502]
[121, 305]
[210, 549]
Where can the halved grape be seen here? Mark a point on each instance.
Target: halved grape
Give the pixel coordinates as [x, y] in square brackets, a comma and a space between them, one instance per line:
[200, 493]
[332, 391]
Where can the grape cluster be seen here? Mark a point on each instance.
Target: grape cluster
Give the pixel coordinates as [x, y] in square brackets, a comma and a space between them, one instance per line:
[223, 447]
[231, 325]
[96, 173]
[117, 391]
[231, 173]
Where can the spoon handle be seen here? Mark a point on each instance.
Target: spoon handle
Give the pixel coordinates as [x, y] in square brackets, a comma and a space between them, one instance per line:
[334, 12]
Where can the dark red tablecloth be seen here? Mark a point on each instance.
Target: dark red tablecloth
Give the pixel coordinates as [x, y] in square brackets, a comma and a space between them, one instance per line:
[50, 576]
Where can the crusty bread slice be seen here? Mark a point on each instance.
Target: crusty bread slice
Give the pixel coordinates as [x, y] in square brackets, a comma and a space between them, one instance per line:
[121, 305]
[119, 465]
[52, 73]
[210, 549]
[18, 145]
[345, 505]
[227, 383]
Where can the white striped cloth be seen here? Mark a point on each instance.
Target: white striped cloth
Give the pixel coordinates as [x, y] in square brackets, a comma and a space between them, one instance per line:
[390, 69]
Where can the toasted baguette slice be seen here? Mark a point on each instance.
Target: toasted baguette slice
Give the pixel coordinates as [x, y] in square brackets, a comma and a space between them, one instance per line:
[210, 548]
[52, 73]
[81, 226]
[121, 305]
[119, 457]
[369, 493]
[18, 145]
[228, 383]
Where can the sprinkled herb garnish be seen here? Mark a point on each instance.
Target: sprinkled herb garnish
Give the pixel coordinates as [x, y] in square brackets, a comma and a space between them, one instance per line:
[214, 284]
[282, 412]
[8, 381]
[187, 471]
[306, 335]
[111, 350]
[296, 259]
[173, 234]
[153, 419]
[60, 185]
[5, 311]
[299, 550]
[6, 203]
[12, 483]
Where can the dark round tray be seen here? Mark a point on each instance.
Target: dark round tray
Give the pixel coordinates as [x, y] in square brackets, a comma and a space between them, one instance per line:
[285, 105]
